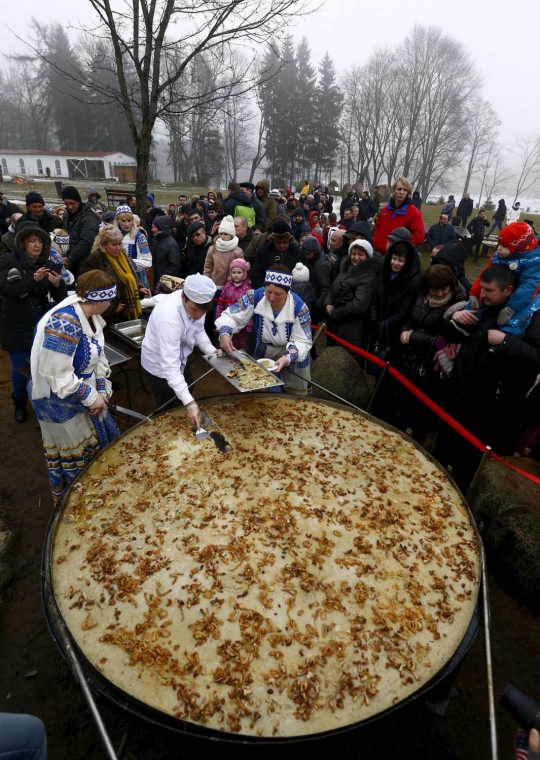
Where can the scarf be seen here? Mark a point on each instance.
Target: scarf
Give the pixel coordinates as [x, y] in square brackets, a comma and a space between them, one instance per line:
[434, 302]
[402, 210]
[123, 272]
[226, 245]
[30, 261]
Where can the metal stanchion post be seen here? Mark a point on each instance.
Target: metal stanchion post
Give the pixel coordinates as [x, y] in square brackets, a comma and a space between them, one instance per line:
[319, 332]
[485, 455]
[377, 386]
[489, 668]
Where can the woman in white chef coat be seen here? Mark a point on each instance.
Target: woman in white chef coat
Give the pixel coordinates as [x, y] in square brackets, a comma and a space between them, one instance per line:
[281, 323]
[174, 329]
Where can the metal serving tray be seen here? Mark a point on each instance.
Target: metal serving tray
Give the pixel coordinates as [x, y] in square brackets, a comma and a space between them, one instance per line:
[132, 331]
[225, 363]
[115, 357]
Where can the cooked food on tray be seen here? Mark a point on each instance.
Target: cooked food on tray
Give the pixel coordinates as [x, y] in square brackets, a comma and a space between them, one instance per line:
[318, 573]
[250, 375]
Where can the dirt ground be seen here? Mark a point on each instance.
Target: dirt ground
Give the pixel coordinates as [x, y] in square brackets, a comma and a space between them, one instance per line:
[35, 679]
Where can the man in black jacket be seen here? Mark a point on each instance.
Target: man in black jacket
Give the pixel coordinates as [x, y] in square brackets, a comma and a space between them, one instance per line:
[498, 217]
[7, 209]
[166, 257]
[243, 197]
[465, 209]
[243, 232]
[180, 226]
[491, 377]
[280, 248]
[319, 275]
[441, 233]
[198, 243]
[477, 227]
[366, 208]
[82, 226]
[36, 214]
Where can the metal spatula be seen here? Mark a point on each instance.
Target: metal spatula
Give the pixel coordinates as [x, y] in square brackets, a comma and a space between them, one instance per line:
[201, 434]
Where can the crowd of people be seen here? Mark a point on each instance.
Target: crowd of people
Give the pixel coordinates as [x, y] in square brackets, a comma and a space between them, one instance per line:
[260, 266]
[257, 269]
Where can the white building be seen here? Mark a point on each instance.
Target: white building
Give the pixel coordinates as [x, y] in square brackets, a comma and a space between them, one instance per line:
[65, 164]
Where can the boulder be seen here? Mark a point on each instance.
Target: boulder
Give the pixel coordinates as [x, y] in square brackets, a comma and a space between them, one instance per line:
[506, 507]
[6, 537]
[336, 370]
[6, 575]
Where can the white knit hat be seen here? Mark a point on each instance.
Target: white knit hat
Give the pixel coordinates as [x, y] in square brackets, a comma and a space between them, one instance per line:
[275, 193]
[227, 225]
[365, 244]
[300, 273]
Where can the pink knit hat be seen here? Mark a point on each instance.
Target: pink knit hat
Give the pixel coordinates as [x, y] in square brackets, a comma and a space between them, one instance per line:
[241, 264]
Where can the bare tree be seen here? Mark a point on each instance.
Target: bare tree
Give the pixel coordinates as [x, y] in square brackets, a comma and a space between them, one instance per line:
[148, 35]
[237, 118]
[482, 127]
[528, 151]
[493, 172]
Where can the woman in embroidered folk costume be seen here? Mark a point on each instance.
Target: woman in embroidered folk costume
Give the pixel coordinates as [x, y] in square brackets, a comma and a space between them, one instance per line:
[282, 325]
[109, 256]
[134, 243]
[69, 387]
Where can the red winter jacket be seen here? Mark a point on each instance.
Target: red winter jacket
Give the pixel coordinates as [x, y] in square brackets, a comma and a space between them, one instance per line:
[390, 218]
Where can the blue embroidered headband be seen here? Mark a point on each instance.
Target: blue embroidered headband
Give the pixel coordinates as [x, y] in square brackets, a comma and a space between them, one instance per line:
[99, 295]
[61, 239]
[281, 279]
[124, 209]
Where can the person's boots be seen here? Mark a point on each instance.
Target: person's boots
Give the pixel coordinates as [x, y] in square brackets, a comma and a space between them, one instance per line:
[20, 408]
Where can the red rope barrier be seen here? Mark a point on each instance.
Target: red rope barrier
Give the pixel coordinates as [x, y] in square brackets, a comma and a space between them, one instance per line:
[435, 408]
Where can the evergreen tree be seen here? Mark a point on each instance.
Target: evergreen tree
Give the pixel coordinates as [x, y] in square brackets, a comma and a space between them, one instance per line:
[74, 121]
[304, 112]
[326, 135]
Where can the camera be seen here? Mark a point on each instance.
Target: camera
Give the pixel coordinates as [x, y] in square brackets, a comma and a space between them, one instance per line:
[524, 710]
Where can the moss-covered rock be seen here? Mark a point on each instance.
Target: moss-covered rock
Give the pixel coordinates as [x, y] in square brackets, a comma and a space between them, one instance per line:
[506, 506]
[336, 370]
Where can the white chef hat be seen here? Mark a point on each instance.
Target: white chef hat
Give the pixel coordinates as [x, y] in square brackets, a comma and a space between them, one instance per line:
[199, 288]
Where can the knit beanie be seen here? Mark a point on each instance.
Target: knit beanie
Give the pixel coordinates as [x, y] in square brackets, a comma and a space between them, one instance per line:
[311, 244]
[124, 209]
[238, 264]
[281, 229]
[291, 205]
[362, 244]
[34, 197]
[71, 193]
[108, 217]
[300, 273]
[227, 226]
[518, 237]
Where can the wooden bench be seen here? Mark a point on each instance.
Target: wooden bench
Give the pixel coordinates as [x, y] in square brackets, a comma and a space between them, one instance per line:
[116, 196]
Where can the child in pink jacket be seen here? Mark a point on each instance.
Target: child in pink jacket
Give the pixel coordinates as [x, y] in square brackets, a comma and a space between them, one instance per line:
[236, 286]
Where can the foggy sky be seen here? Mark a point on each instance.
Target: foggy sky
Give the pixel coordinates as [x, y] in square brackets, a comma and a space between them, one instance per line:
[500, 36]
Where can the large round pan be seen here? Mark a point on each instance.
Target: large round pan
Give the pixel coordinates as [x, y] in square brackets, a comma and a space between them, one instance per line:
[103, 686]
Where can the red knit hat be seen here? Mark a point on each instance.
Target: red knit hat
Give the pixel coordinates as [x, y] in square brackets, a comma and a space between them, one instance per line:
[518, 237]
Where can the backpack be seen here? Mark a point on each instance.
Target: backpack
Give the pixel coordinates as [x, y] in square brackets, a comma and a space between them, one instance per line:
[247, 212]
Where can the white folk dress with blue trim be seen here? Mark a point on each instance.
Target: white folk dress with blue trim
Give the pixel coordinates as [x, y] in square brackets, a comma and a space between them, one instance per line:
[287, 332]
[69, 369]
